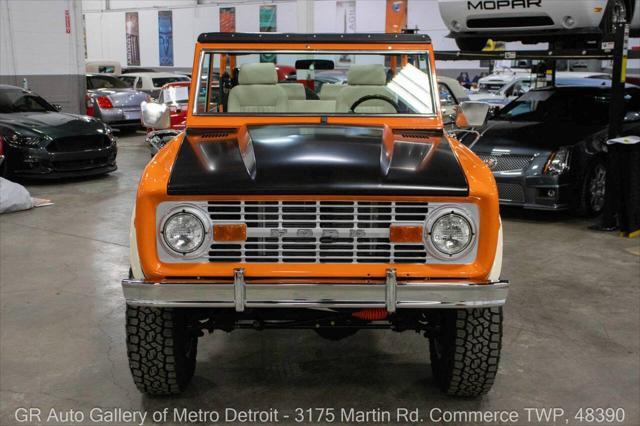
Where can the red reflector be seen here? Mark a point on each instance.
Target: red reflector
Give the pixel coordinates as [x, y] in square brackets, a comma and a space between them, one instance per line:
[104, 102]
[231, 232]
[371, 314]
[405, 234]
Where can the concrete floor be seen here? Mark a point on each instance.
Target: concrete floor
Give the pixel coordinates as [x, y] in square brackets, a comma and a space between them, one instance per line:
[571, 327]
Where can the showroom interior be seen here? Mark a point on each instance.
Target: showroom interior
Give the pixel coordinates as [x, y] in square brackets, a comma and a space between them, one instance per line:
[352, 211]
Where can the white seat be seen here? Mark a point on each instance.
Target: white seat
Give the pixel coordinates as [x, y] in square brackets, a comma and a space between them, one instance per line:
[257, 90]
[294, 91]
[330, 91]
[365, 80]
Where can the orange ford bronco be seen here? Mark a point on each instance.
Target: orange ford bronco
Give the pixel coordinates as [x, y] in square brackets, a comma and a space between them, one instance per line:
[332, 201]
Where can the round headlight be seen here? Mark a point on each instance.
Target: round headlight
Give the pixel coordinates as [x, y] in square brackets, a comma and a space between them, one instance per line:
[183, 232]
[451, 234]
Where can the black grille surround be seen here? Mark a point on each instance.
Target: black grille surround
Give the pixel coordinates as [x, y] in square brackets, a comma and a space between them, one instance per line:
[503, 163]
[78, 143]
[512, 22]
[511, 192]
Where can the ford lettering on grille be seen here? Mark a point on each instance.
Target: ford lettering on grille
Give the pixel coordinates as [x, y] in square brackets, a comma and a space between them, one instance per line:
[318, 231]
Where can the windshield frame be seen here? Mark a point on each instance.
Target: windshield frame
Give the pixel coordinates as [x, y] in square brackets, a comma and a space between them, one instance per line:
[201, 54]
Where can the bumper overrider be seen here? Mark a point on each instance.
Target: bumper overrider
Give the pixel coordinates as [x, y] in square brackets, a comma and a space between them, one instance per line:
[391, 293]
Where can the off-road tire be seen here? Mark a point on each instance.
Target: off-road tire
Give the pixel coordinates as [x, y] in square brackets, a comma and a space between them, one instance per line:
[161, 349]
[465, 351]
[471, 44]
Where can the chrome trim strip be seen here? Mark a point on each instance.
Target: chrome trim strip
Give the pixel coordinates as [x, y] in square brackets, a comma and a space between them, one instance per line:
[241, 295]
[391, 299]
[240, 292]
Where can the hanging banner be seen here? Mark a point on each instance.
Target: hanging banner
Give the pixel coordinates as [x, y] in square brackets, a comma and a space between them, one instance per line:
[165, 37]
[396, 16]
[346, 19]
[132, 37]
[84, 34]
[227, 19]
[268, 25]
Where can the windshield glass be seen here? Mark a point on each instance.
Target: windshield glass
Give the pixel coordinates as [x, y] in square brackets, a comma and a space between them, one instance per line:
[327, 83]
[22, 101]
[175, 95]
[105, 82]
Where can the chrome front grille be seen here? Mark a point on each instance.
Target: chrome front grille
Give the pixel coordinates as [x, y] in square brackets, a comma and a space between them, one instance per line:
[317, 231]
[503, 163]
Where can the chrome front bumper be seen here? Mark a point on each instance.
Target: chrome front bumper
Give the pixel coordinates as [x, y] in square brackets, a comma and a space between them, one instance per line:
[389, 294]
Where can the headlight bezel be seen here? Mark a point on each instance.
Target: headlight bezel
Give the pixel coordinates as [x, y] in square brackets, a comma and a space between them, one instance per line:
[204, 220]
[434, 217]
[24, 141]
[558, 162]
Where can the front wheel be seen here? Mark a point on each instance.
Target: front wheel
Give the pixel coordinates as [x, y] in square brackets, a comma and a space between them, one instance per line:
[465, 350]
[593, 190]
[161, 348]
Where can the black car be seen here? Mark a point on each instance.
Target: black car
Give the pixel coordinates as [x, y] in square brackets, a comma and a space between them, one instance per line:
[547, 148]
[39, 141]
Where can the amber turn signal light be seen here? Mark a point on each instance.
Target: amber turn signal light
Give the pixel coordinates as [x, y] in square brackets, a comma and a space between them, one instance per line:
[405, 234]
[230, 232]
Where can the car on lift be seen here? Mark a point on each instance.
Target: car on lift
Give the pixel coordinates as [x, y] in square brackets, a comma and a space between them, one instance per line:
[39, 141]
[473, 22]
[112, 101]
[547, 149]
[333, 215]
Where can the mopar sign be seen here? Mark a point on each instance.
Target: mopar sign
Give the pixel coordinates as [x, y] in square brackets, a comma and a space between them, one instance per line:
[503, 4]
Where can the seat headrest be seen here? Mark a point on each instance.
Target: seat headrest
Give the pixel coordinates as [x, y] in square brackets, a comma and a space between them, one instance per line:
[366, 75]
[258, 73]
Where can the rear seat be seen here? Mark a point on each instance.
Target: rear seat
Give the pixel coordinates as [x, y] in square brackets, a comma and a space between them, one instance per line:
[294, 91]
[365, 80]
[330, 91]
[259, 92]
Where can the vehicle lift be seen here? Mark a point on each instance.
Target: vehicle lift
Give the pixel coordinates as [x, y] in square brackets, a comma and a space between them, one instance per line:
[622, 193]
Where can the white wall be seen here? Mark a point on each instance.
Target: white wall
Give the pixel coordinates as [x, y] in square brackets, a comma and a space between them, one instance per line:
[37, 43]
[106, 34]
[106, 39]
[35, 46]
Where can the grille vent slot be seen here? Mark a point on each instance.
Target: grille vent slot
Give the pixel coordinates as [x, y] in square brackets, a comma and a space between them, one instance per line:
[317, 231]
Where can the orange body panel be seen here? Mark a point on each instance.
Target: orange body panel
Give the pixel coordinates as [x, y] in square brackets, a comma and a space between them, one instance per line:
[153, 190]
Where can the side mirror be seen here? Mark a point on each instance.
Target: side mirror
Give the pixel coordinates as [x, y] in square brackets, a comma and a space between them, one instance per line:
[57, 107]
[472, 114]
[155, 116]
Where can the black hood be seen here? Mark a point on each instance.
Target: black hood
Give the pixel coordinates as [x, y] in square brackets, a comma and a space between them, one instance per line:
[50, 123]
[316, 160]
[532, 136]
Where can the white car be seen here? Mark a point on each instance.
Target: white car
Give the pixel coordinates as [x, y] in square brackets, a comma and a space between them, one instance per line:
[521, 84]
[473, 22]
[151, 82]
[500, 80]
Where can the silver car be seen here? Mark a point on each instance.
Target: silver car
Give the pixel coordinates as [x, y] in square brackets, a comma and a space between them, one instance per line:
[113, 102]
